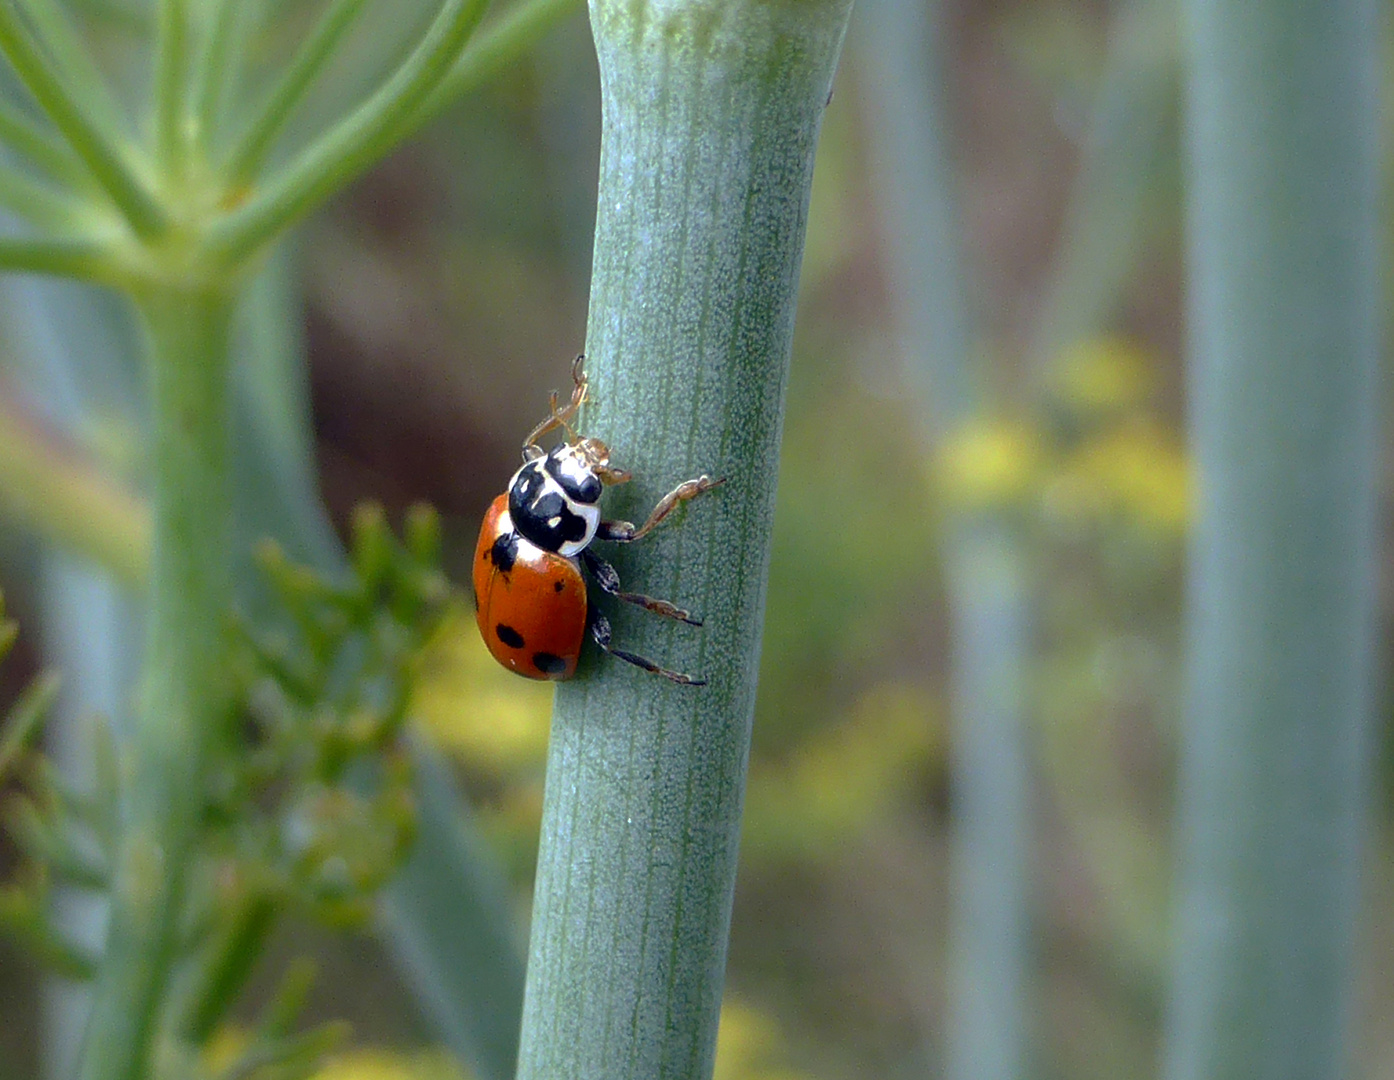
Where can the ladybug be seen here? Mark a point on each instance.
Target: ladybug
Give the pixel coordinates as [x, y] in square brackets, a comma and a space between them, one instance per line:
[530, 594]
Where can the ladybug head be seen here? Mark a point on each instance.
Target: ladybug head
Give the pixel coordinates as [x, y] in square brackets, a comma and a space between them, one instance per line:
[553, 500]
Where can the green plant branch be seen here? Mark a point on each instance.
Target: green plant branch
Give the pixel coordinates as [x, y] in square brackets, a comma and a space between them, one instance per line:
[250, 153]
[225, 971]
[186, 693]
[58, 37]
[211, 73]
[171, 84]
[106, 162]
[1285, 237]
[368, 133]
[81, 260]
[711, 112]
[38, 203]
[494, 48]
[54, 158]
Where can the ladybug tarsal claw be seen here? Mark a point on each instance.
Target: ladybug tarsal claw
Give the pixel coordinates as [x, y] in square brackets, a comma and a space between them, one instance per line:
[600, 634]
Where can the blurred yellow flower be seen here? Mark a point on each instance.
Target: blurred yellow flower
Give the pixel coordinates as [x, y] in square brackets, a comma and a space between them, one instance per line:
[1136, 469]
[474, 709]
[988, 464]
[376, 1064]
[751, 1046]
[1103, 375]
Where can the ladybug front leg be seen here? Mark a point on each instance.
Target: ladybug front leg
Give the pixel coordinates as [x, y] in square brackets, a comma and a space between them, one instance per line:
[559, 418]
[609, 581]
[623, 532]
[600, 632]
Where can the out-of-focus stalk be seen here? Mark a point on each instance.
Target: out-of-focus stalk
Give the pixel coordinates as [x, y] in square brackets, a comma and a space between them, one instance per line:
[903, 75]
[1284, 238]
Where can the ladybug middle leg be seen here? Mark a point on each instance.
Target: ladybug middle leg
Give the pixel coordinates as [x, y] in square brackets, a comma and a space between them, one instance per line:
[609, 581]
[624, 532]
[600, 632]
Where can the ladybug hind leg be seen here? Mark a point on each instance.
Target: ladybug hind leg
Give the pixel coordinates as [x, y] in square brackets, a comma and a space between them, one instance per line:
[624, 532]
[609, 581]
[600, 632]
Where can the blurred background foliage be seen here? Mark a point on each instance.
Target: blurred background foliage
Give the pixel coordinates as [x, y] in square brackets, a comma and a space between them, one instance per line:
[444, 296]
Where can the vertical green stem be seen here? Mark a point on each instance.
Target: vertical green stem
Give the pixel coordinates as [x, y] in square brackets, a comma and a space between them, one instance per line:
[711, 115]
[184, 693]
[1284, 238]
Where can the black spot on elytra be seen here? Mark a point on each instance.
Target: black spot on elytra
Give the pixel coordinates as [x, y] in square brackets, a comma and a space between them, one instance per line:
[558, 586]
[504, 553]
[548, 664]
[509, 636]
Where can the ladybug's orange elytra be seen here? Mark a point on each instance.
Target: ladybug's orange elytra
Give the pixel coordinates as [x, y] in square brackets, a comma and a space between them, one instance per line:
[530, 592]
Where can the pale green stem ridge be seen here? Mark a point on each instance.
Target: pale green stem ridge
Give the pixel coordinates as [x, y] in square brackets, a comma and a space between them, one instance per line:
[1284, 237]
[102, 157]
[171, 82]
[368, 133]
[184, 693]
[711, 117]
[256, 142]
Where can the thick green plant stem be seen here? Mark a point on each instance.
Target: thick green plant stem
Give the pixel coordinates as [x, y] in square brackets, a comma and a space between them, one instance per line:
[1284, 239]
[711, 116]
[184, 691]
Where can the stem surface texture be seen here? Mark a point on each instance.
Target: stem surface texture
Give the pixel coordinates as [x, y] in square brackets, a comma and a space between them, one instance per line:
[711, 116]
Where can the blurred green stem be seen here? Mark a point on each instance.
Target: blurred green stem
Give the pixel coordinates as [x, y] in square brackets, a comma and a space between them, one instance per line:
[184, 687]
[1284, 237]
[171, 79]
[711, 116]
[495, 47]
[1115, 200]
[985, 564]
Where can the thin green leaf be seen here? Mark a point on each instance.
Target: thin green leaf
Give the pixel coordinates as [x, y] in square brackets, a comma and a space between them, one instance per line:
[249, 155]
[339, 156]
[71, 117]
[26, 718]
[38, 145]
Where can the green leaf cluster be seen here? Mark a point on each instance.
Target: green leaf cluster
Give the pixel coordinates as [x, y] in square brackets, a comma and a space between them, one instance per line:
[309, 806]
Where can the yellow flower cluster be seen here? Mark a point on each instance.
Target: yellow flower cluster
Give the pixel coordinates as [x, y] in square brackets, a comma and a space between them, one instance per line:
[1112, 460]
